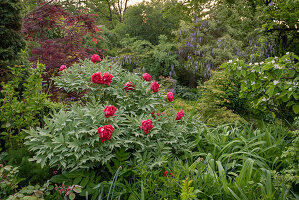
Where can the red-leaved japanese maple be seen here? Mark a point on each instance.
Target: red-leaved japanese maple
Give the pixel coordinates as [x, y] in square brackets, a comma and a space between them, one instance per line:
[59, 35]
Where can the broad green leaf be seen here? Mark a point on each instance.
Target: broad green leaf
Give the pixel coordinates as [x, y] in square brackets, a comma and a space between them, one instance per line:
[296, 108]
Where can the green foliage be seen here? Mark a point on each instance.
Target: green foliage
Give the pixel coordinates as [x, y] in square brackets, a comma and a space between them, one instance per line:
[219, 31]
[29, 172]
[270, 86]
[285, 34]
[290, 173]
[186, 93]
[147, 21]
[11, 41]
[220, 102]
[9, 180]
[23, 105]
[157, 60]
[70, 138]
[187, 191]
[31, 192]
[87, 181]
[228, 163]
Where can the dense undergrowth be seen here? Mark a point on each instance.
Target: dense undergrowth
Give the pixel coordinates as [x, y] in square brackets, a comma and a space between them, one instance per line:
[170, 156]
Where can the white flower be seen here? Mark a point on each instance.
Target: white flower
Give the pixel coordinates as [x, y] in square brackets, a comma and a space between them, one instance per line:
[237, 59]
[289, 82]
[252, 70]
[275, 57]
[275, 82]
[273, 61]
[278, 67]
[256, 63]
[290, 89]
[250, 64]
[264, 99]
[287, 53]
[261, 63]
[239, 68]
[253, 83]
[230, 61]
[277, 93]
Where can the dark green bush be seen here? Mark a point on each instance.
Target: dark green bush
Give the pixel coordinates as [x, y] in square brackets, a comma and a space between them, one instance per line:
[12, 40]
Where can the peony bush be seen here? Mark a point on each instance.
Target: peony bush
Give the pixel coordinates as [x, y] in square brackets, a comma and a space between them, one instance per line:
[119, 110]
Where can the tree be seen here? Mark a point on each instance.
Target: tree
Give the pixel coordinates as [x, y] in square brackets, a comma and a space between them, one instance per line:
[147, 21]
[11, 41]
[60, 35]
[221, 32]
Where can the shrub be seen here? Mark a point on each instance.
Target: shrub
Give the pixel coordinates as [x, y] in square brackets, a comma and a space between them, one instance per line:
[23, 105]
[160, 59]
[70, 138]
[271, 86]
[220, 100]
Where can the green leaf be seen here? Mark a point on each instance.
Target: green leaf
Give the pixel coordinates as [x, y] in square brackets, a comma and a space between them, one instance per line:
[290, 103]
[77, 189]
[296, 108]
[296, 95]
[77, 180]
[58, 178]
[72, 196]
[270, 91]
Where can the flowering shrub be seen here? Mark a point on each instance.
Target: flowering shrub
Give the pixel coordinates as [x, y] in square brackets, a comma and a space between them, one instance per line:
[271, 85]
[86, 136]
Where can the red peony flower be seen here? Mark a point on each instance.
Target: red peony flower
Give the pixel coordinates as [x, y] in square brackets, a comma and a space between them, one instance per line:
[155, 86]
[147, 77]
[96, 78]
[105, 132]
[179, 115]
[109, 111]
[146, 125]
[129, 86]
[170, 96]
[106, 79]
[62, 67]
[95, 58]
